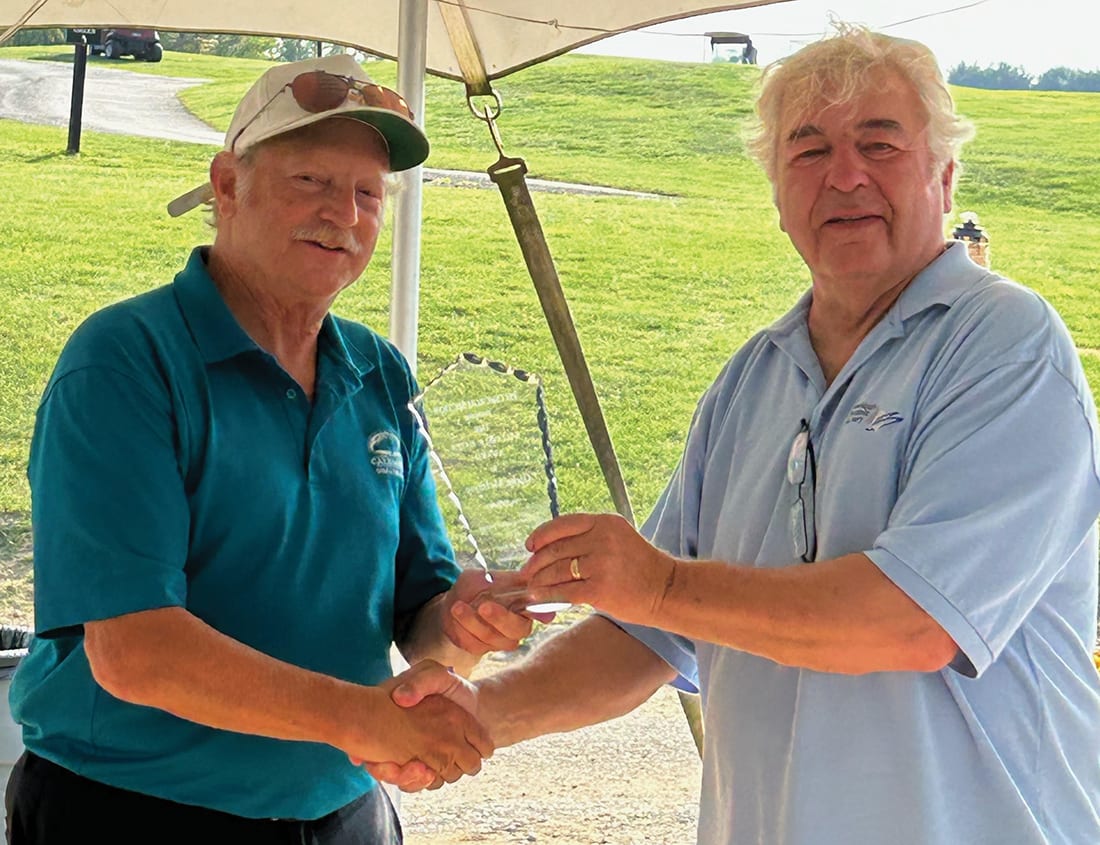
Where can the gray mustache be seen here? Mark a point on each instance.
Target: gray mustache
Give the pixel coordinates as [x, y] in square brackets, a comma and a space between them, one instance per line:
[329, 237]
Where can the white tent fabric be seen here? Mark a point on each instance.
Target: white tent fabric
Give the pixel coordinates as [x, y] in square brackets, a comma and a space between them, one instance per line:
[510, 34]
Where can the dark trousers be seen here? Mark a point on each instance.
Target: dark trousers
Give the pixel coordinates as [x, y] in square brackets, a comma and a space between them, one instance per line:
[49, 805]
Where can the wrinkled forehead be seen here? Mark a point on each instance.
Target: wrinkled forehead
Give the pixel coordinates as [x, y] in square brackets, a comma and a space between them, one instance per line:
[881, 98]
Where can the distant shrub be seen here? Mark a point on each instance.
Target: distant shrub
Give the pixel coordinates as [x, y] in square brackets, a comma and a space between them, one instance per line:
[34, 37]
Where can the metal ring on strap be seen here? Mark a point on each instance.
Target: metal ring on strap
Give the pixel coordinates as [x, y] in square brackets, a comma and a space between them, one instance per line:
[484, 114]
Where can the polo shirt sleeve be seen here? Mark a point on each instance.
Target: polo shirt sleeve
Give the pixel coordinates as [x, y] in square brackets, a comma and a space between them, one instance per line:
[999, 490]
[108, 506]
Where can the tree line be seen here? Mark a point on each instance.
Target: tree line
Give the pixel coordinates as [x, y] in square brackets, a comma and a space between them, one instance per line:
[1005, 77]
[215, 43]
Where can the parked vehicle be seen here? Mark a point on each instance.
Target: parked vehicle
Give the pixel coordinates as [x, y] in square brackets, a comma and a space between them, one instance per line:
[142, 44]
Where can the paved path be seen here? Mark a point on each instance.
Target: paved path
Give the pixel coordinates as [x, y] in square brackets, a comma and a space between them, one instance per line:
[128, 103]
[115, 100]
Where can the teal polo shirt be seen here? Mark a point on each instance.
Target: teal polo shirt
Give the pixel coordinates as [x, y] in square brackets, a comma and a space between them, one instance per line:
[175, 464]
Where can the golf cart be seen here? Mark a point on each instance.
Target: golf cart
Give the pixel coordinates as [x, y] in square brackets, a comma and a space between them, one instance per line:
[142, 44]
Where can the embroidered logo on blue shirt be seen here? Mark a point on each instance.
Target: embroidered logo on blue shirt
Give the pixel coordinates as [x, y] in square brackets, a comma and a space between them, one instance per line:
[872, 417]
[385, 454]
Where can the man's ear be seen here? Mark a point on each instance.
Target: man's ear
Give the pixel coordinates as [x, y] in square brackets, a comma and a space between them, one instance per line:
[946, 181]
[225, 180]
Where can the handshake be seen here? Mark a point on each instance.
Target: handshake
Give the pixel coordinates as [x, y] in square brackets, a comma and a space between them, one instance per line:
[433, 727]
[437, 730]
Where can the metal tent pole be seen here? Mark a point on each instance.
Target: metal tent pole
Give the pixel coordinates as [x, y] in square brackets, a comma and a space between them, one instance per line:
[412, 40]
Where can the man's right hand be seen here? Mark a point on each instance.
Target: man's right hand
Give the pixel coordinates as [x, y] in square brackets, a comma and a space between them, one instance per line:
[425, 684]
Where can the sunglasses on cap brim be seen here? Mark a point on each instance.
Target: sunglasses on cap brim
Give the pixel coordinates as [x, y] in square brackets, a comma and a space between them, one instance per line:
[317, 91]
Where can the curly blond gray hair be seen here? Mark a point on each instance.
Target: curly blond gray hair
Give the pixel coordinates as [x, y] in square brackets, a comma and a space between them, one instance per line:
[836, 70]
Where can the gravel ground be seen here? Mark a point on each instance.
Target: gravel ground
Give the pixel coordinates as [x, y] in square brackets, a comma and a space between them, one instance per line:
[16, 571]
[629, 781]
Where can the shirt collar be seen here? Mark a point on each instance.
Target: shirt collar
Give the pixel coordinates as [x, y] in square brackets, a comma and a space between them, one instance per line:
[334, 343]
[220, 337]
[941, 282]
[216, 331]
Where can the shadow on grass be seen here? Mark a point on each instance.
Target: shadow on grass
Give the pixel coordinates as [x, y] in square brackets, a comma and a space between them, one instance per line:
[47, 157]
[67, 56]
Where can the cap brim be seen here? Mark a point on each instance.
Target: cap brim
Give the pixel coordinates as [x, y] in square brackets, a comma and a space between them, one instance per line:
[406, 142]
[408, 146]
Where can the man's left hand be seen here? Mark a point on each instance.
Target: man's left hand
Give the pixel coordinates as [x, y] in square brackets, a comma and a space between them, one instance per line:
[599, 560]
[477, 623]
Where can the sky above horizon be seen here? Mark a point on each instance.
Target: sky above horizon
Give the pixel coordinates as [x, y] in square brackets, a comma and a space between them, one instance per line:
[1034, 35]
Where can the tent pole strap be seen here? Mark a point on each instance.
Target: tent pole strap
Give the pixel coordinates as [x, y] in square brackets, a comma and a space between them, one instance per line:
[509, 175]
[457, 21]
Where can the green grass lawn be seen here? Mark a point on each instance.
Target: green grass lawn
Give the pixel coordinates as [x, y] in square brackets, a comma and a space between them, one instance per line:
[663, 291]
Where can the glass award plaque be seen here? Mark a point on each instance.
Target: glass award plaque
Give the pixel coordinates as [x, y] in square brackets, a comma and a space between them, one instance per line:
[488, 435]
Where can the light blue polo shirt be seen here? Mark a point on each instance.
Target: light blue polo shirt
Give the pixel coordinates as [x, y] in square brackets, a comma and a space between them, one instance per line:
[958, 449]
[175, 463]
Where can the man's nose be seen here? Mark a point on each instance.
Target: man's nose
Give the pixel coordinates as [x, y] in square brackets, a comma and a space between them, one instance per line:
[847, 170]
[341, 207]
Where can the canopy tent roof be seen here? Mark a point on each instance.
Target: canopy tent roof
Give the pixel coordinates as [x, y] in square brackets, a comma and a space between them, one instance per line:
[508, 34]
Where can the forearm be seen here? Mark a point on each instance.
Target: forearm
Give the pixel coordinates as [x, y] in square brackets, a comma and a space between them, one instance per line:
[171, 660]
[590, 673]
[840, 615]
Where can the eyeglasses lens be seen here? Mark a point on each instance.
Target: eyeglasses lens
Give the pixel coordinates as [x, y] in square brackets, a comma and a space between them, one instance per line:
[318, 91]
[796, 459]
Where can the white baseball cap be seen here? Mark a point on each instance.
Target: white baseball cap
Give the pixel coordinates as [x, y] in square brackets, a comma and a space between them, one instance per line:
[290, 96]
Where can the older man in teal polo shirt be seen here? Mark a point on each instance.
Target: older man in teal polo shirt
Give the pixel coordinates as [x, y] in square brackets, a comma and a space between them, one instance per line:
[234, 519]
[877, 559]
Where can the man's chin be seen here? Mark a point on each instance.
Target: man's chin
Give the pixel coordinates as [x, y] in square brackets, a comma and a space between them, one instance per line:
[855, 262]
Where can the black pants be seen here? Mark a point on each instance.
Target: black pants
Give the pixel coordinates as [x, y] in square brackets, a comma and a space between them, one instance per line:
[49, 805]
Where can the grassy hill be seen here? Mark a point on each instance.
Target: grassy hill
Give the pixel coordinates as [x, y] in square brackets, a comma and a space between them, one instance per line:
[662, 290]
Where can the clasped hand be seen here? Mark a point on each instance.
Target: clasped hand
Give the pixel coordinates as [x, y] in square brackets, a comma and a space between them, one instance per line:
[443, 708]
[438, 708]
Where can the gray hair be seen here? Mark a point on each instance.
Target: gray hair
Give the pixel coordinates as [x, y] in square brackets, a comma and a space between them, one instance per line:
[837, 69]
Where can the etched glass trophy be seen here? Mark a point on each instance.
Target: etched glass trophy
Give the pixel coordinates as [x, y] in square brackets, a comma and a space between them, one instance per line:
[487, 431]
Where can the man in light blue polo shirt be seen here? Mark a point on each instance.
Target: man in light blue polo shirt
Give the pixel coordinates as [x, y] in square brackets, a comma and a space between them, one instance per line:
[234, 519]
[877, 559]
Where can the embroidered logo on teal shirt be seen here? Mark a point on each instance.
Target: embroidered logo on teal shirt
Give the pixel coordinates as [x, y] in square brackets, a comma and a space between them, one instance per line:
[385, 454]
[872, 417]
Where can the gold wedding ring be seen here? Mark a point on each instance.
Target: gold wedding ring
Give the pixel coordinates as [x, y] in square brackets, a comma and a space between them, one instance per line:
[575, 569]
